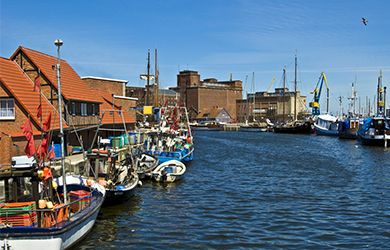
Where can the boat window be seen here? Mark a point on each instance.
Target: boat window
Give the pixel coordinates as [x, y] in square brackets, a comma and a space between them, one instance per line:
[7, 108]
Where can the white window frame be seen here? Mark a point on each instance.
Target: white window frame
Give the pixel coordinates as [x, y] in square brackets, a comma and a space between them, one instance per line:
[7, 112]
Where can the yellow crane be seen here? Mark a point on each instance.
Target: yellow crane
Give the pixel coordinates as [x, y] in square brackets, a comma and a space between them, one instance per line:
[270, 86]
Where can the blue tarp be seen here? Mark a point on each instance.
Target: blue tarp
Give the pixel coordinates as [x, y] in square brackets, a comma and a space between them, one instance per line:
[367, 124]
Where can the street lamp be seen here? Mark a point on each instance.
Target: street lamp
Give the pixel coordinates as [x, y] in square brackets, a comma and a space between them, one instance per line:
[59, 43]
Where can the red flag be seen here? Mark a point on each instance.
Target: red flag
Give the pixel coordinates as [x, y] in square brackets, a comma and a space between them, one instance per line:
[37, 83]
[51, 153]
[46, 124]
[43, 147]
[30, 147]
[48, 175]
[26, 129]
[39, 111]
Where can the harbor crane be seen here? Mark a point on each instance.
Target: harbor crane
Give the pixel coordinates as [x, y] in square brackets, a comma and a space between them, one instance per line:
[270, 86]
[317, 94]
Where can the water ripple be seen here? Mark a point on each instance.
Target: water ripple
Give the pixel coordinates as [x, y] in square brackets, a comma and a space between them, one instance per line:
[259, 191]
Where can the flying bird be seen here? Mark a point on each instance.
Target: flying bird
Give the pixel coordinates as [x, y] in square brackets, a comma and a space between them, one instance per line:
[364, 21]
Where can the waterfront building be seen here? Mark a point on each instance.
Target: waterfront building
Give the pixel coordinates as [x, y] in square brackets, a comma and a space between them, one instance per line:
[81, 106]
[269, 105]
[209, 93]
[214, 115]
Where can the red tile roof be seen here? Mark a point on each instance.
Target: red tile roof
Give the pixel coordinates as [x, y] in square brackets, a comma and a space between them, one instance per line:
[106, 98]
[21, 87]
[72, 86]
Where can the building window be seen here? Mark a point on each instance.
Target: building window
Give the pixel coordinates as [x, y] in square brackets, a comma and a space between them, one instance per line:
[93, 109]
[83, 109]
[73, 108]
[7, 109]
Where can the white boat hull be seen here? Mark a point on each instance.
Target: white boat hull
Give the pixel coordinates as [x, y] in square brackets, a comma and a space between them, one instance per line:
[253, 129]
[178, 170]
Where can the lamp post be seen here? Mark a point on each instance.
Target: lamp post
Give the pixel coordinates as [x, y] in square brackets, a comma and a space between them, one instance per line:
[59, 43]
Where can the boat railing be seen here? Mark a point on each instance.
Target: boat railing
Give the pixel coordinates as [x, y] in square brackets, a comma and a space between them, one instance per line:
[27, 218]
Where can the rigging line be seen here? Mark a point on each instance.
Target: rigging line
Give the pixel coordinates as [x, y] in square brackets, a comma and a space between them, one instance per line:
[40, 92]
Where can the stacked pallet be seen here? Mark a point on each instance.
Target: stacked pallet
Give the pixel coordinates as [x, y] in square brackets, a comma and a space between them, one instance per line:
[18, 214]
[79, 199]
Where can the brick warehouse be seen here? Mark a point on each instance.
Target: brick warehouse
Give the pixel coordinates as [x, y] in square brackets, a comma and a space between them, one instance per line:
[208, 93]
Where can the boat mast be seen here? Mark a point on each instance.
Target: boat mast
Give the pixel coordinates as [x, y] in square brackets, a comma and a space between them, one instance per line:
[148, 80]
[59, 43]
[247, 100]
[284, 90]
[254, 98]
[156, 73]
[295, 93]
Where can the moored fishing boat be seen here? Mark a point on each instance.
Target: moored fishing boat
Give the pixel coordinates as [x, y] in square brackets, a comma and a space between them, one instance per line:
[374, 131]
[297, 127]
[118, 178]
[39, 216]
[172, 139]
[348, 128]
[169, 171]
[254, 127]
[145, 163]
[326, 125]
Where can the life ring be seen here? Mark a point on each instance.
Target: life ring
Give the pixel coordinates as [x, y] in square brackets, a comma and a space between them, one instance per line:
[101, 151]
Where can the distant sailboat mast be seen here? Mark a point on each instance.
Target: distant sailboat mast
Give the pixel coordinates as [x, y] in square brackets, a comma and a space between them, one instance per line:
[295, 93]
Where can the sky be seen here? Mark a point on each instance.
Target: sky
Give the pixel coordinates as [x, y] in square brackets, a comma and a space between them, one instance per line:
[216, 38]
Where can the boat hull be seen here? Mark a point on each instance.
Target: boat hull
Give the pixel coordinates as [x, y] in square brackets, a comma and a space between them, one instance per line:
[303, 129]
[178, 170]
[114, 196]
[322, 131]
[374, 140]
[348, 134]
[253, 129]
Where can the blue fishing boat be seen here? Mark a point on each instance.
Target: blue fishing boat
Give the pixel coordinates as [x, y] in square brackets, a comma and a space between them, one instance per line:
[172, 139]
[348, 128]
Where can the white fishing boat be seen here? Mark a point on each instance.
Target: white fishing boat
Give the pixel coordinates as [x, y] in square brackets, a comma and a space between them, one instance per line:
[326, 125]
[169, 171]
[30, 221]
[145, 163]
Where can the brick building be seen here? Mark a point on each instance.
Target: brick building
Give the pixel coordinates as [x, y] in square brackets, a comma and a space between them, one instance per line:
[115, 88]
[208, 93]
[270, 105]
[81, 105]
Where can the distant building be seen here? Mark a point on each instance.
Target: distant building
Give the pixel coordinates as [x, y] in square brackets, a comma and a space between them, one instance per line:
[214, 114]
[263, 105]
[209, 93]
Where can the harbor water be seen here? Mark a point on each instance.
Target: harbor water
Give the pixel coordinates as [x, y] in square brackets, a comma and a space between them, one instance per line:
[259, 191]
